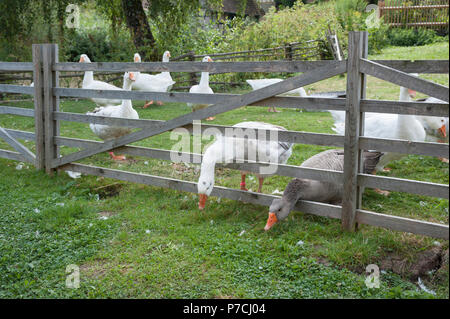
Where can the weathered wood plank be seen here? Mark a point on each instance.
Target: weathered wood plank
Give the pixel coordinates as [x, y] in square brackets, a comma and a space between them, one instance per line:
[352, 131]
[12, 156]
[51, 126]
[9, 88]
[25, 152]
[16, 66]
[404, 185]
[314, 208]
[216, 67]
[279, 101]
[404, 79]
[231, 104]
[283, 136]
[411, 108]
[23, 135]
[16, 111]
[39, 129]
[282, 170]
[403, 224]
[404, 147]
[308, 207]
[418, 66]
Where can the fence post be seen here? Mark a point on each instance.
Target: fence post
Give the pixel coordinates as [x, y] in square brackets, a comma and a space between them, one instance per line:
[192, 75]
[38, 106]
[51, 104]
[288, 51]
[353, 116]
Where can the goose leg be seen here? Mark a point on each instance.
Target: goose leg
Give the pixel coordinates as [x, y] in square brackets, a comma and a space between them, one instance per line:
[261, 181]
[117, 157]
[243, 182]
[147, 104]
[379, 191]
[159, 102]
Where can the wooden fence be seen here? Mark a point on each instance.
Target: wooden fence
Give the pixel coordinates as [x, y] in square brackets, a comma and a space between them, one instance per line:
[47, 115]
[415, 13]
[293, 51]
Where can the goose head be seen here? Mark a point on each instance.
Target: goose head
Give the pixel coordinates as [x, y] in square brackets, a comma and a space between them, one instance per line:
[137, 57]
[205, 186]
[281, 207]
[166, 56]
[84, 59]
[207, 59]
[434, 123]
[128, 79]
[279, 210]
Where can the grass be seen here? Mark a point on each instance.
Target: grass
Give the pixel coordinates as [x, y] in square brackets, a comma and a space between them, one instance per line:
[135, 241]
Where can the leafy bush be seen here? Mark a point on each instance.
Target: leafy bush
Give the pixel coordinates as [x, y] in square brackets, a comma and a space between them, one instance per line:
[350, 14]
[413, 37]
[99, 45]
[299, 23]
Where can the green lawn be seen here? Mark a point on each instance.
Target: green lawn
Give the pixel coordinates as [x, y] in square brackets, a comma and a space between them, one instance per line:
[138, 241]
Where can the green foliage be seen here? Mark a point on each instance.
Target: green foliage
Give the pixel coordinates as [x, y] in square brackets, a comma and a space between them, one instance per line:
[413, 37]
[350, 14]
[299, 23]
[99, 45]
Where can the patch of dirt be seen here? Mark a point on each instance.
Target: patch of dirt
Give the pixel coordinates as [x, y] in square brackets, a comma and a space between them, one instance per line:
[110, 190]
[99, 268]
[323, 261]
[423, 263]
[93, 269]
[106, 214]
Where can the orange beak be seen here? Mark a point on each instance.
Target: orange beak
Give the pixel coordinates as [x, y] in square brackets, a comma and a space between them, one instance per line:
[272, 220]
[136, 59]
[81, 59]
[412, 93]
[443, 131]
[132, 77]
[202, 200]
[210, 60]
[168, 54]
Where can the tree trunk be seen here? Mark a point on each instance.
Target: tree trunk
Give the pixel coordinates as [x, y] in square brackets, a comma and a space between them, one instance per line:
[137, 23]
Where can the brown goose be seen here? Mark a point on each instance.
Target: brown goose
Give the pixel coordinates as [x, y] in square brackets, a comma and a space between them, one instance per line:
[319, 191]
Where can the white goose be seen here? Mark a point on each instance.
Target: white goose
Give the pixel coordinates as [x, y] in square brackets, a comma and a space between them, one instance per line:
[161, 82]
[392, 126]
[125, 110]
[91, 84]
[202, 87]
[165, 76]
[430, 122]
[227, 150]
[261, 83]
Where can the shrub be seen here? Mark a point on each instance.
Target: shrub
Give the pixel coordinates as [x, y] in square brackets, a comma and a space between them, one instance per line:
[99, 45]
[413, 37]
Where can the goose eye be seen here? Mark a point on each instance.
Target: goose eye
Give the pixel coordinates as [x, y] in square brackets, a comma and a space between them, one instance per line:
[204, 183]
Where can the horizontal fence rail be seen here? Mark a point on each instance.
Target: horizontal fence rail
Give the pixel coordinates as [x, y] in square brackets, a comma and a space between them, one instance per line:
[314, 208]
[48, 117]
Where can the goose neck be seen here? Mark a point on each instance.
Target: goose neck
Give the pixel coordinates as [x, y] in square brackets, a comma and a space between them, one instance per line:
[204, 79]
[88, 77]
